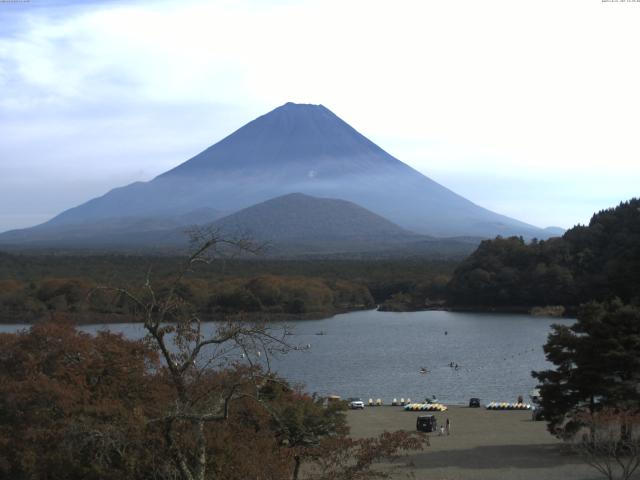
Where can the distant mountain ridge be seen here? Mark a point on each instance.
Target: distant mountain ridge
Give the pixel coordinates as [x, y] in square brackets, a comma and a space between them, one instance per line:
[294, 148]
[297, 215]
[299, 223]
[134, 231]
[293, 225]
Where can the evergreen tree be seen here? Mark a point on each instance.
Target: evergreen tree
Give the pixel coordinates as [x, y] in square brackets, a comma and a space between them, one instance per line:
[599, 262]
[597, 365]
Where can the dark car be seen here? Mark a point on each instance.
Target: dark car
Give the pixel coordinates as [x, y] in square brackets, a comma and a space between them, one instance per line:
[474, 403]
[426, 423]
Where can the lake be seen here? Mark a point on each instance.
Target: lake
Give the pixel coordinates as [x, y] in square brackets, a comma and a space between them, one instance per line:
[371, 354]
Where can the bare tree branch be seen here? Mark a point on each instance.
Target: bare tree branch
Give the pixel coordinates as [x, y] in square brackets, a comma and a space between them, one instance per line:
[189, 355]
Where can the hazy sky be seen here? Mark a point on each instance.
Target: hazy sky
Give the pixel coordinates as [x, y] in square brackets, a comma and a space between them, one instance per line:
[529, 108]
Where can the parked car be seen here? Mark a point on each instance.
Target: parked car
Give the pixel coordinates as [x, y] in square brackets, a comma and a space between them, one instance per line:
[356, 403]
[426, 423]
[474, 402]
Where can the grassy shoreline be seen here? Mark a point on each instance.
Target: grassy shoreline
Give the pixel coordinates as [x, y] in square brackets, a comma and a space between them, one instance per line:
[483, 445]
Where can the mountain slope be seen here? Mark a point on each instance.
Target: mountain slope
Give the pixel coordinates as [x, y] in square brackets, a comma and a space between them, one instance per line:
[297, 223]
[299, 148]
[299, 216]
[126, 231]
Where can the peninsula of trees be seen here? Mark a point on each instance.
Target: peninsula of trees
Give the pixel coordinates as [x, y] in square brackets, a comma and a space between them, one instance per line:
[599, 261]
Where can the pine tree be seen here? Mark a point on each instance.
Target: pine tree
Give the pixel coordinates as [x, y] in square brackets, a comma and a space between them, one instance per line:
[597, 365]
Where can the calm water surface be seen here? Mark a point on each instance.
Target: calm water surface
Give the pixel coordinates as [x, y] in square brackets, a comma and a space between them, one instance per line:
[374, 354]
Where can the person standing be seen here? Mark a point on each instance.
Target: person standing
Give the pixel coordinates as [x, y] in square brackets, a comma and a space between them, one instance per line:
[448, 426]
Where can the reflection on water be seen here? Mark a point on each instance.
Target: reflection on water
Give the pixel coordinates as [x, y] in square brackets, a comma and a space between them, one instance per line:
[380, 354]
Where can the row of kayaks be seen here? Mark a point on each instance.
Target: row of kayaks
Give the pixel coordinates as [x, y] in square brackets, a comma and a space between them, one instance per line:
[438, 407]
[508, 406]
[425, 407]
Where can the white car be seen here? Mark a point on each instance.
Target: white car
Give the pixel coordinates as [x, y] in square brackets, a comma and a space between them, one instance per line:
[355, 404]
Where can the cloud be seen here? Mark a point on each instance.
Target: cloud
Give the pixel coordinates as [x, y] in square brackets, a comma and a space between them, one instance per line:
[107, 91]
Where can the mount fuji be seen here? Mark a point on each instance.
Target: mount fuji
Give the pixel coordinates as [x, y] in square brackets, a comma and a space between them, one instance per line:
[296, 148]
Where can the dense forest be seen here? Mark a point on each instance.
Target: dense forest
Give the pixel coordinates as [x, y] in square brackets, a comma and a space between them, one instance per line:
[35, 287]
[595, 262]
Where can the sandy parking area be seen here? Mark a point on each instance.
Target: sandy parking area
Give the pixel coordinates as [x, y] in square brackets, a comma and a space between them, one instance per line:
[484, 444]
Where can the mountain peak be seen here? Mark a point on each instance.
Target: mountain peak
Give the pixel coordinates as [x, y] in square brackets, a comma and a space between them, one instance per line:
[301, 106]
[293, 140]
[303, 148]
[303, 112]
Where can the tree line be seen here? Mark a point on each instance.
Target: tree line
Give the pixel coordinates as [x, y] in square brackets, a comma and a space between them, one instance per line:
[599, 261]
[34, 287]
[266, 294]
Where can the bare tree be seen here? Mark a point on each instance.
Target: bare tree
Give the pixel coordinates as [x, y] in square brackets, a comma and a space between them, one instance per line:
[191, 351]
[207, 368]
[610, 442]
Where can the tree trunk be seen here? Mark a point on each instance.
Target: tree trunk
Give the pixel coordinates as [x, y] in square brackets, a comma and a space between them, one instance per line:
[592, 425]
[181, 463]
[201, 453]
[296, 469]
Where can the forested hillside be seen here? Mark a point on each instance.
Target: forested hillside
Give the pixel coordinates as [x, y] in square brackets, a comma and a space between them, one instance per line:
[594, 262]
[35, 287]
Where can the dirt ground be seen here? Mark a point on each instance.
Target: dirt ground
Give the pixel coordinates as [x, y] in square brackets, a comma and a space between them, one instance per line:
[484, 444]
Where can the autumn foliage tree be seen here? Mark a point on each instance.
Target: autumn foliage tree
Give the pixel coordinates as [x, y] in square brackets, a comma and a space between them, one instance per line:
[73, 405]
[77, 406]
[191, 401]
